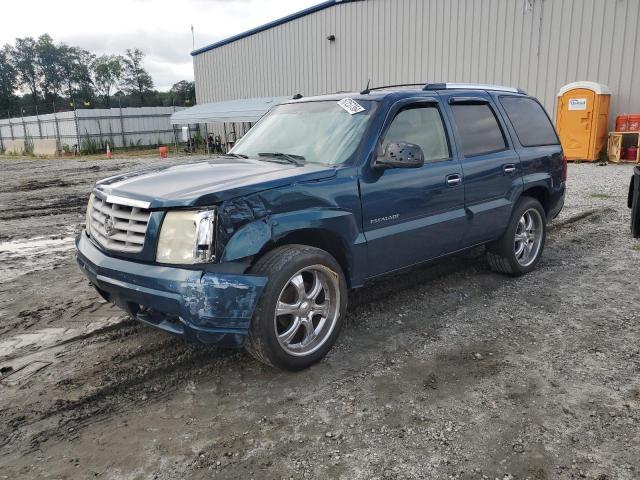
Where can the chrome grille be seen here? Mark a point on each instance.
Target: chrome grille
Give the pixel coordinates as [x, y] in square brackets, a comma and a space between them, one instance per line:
[118, 227]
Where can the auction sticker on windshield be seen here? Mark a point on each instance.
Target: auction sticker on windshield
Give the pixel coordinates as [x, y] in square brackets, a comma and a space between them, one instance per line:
[351, 106]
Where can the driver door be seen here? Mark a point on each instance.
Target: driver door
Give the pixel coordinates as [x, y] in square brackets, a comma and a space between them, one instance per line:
[411, 215]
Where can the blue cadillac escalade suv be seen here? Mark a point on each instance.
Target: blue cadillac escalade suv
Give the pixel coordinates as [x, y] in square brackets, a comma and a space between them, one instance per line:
[259, 247]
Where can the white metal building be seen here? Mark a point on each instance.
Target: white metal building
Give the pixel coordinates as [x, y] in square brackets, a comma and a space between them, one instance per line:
[537, 45]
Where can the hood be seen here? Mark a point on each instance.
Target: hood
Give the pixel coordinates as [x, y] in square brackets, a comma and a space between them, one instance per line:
[208, 182]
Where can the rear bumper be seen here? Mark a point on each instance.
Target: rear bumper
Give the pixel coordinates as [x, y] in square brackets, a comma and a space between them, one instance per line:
[557, 201]
[212, 308]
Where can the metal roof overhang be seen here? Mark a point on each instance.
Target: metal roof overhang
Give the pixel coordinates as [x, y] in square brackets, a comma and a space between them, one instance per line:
[231, 111]
[275, 23]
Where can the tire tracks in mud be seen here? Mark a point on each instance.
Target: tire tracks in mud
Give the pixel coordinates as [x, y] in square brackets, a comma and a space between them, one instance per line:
[38, 207]
[153, 372]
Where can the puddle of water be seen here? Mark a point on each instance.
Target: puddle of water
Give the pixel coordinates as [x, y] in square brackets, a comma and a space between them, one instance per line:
[20, 248]
[48, 337]
[19, 257]
[42, 338]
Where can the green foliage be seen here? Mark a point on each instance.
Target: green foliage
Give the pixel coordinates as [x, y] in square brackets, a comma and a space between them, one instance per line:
[24, 58]
[8, 79]
[90, 145]
[107, 71]
[135, 79]
[59, 77]
[184, 92]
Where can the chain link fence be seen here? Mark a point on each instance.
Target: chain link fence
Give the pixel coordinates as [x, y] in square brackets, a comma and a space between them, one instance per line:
[89, 130]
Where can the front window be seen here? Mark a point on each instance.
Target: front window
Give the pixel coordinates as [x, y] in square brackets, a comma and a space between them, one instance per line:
[316, 132]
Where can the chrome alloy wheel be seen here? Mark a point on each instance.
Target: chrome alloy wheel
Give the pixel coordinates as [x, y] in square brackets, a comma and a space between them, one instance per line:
[528, 237]
[307, 310]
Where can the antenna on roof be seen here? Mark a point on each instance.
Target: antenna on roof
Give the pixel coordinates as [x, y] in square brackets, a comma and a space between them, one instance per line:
[366, 90]
[297, 96]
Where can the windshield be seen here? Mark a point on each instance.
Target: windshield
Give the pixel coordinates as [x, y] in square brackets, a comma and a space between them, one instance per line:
[315, 132]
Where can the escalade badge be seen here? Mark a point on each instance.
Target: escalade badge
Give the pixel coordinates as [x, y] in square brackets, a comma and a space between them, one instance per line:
[109, 226]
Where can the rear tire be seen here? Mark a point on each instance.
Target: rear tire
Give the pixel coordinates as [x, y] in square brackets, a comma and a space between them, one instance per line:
[519, 249]
[301, 309]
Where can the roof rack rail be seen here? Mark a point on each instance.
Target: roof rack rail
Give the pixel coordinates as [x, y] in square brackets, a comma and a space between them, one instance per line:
[471, 86]
[382, 87]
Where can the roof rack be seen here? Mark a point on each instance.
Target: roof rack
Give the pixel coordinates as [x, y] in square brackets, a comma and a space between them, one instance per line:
[471, 86]
[398, 85]
[448, 86]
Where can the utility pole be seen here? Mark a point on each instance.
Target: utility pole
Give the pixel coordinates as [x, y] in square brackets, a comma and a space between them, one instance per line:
[124, 139]
[193, 39]
[39, 124]
[75, 119]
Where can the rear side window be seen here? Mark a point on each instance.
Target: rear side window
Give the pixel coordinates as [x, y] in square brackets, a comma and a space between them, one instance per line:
[421, 126]
[478, 128]
[530, 122]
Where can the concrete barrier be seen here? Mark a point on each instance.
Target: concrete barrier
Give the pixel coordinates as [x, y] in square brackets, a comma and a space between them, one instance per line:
[14, 146]
[45, 146]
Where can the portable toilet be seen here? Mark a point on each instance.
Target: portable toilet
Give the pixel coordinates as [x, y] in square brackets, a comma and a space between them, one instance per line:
[581, 120]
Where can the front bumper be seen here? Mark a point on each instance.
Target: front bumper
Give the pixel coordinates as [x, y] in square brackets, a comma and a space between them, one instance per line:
[207, 307]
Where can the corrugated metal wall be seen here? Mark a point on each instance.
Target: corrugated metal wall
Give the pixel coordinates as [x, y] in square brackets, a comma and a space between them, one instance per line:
[537, 45]
[133, 126]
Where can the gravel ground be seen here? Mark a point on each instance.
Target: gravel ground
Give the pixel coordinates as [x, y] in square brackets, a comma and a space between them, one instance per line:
[446, 371]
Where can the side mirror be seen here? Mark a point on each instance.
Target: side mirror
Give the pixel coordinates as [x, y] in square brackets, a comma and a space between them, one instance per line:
[400, 155]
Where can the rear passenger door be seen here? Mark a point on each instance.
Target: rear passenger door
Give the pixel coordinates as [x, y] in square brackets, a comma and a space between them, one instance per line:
[490, 165]
[536, 142]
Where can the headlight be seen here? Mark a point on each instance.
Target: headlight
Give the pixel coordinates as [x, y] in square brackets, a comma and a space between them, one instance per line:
[87, 219]
[187, 237]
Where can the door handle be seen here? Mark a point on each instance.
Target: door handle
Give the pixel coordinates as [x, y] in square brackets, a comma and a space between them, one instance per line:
[453, 180]
[509, 169]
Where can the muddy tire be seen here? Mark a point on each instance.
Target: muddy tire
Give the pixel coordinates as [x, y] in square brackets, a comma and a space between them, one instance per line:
[634, 202]
[301, 309]
[519, 249]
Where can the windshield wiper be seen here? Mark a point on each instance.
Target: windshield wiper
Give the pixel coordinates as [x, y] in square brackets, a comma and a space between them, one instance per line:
[237, 155]
[295, 159]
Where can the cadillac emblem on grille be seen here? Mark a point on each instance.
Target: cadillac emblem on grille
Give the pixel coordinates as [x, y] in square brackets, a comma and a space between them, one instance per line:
[109, 226]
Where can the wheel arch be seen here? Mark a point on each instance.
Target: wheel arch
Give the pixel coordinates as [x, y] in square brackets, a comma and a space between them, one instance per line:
[540, 193]
[324, 239]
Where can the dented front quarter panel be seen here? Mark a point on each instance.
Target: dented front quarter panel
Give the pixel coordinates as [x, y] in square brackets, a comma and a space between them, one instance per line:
[248, 224]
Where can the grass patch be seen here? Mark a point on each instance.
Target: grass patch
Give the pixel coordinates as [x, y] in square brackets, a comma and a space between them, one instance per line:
[636, 247]
[602, 196]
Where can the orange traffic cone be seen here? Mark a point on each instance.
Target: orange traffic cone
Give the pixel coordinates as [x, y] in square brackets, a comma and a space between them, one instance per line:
[108, 152]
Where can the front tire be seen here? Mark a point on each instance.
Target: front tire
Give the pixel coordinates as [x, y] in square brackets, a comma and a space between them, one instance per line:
[301, 309]
[519, 249]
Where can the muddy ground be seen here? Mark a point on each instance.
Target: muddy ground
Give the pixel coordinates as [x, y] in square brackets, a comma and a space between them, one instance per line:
[446, 371]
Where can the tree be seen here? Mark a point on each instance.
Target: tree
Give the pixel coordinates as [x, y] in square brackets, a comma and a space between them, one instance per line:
[24, 60]
[49, 69]
[76, 67]
[8, 80]
[107, 71]
[135, 80]
[184, 92]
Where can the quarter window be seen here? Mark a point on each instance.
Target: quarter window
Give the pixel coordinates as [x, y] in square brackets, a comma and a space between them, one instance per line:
[530, 122]
[478, 128]
[421, 126]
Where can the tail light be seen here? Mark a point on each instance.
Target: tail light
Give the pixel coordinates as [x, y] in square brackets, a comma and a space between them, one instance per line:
[564, 168]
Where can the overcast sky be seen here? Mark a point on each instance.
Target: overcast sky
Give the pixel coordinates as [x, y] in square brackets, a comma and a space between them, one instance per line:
[160, 28]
